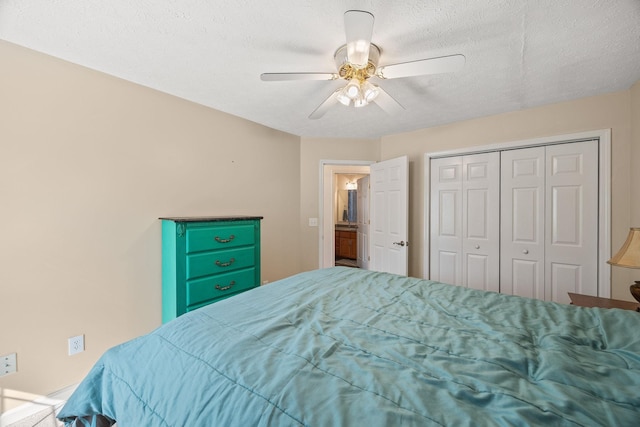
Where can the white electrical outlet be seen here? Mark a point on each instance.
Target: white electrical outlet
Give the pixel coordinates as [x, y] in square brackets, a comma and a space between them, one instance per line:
[76, 345]
[8, 364]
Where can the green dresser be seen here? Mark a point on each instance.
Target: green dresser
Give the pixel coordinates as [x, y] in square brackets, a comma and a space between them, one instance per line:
[206, 259]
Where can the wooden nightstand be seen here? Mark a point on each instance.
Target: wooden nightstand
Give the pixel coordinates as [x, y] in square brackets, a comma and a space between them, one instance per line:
[590, 301]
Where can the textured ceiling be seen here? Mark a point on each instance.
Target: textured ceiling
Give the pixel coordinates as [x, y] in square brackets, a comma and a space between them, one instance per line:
[519, 53]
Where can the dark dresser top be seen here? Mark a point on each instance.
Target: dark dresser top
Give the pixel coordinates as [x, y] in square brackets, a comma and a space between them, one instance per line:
[209, 218]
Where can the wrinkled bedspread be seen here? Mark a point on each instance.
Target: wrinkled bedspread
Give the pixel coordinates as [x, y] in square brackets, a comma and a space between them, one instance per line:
[345, 347]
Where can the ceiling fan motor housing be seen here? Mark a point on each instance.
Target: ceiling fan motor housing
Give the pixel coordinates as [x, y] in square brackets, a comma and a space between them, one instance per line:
[348, 71]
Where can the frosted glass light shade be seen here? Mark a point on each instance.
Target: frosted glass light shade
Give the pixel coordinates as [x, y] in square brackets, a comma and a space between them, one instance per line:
[370, 92]
[359, 102]
[352, 89]
[343, 98]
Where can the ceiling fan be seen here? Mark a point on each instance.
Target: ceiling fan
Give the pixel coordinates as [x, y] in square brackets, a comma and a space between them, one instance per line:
[357, 62]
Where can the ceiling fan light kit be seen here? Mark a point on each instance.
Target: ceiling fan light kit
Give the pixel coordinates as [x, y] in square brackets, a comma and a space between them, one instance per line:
[357, 62]
[359, 91]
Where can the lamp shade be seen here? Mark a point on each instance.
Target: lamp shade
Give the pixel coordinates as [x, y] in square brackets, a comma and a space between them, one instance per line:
[629, 254]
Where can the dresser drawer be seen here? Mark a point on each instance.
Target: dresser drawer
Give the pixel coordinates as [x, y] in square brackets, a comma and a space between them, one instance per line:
[219, 237]
[216, 262]
[208, 289]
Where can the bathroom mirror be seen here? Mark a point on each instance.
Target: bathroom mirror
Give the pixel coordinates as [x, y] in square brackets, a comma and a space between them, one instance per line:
[347, 202]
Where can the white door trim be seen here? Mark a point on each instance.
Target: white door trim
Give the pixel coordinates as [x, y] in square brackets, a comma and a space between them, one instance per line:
[328, 168]
[604, 192]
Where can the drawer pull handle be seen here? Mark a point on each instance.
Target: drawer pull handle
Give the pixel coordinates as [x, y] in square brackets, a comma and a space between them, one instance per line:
[219, 240]
[226, 288]
[225, 264]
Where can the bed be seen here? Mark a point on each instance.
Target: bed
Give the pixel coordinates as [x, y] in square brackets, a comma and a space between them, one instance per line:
[346, 347]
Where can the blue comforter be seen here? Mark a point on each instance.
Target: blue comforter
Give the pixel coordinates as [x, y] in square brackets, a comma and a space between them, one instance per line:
[345, 347]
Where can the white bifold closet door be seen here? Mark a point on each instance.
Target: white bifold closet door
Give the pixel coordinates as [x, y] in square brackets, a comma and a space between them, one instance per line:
[549, 221]
[464, 233]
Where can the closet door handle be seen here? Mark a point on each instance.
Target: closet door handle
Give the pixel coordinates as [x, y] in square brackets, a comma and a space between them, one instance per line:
[525, 252]
[477, 246]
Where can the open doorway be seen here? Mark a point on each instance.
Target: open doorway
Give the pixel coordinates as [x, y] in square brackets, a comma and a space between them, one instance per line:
[335, 175]
[388, 214]
[348, 218]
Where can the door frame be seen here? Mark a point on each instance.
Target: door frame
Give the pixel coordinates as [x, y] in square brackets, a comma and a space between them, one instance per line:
[326, 231]
[604, 192]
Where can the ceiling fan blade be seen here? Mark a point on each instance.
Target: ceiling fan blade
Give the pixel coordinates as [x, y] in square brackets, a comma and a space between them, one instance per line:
[443, 64]
[325, 106]
[388, 103]
[358, 26]
[277, 77]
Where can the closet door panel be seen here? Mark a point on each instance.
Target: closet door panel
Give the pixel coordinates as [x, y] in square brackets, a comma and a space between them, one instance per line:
[564, 278]
[448, 267]
[572, 220]
[526, 202]
[481, 221]
[524, 279]
[566, 213]
[478, 272]
[446, 220]
[522, 248]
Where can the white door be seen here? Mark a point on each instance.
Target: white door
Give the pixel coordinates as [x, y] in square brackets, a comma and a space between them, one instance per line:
[465, 198]
[446, 220]
[389, 182]
[363, 223]
[571, 250]
[522, 214]
[480, 221]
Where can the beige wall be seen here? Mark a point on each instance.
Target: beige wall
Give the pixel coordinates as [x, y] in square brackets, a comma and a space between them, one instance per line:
[601, 112]
[312, 151]
[88, 163]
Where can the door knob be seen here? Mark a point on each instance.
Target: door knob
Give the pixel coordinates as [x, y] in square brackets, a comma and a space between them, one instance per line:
[400, 243]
